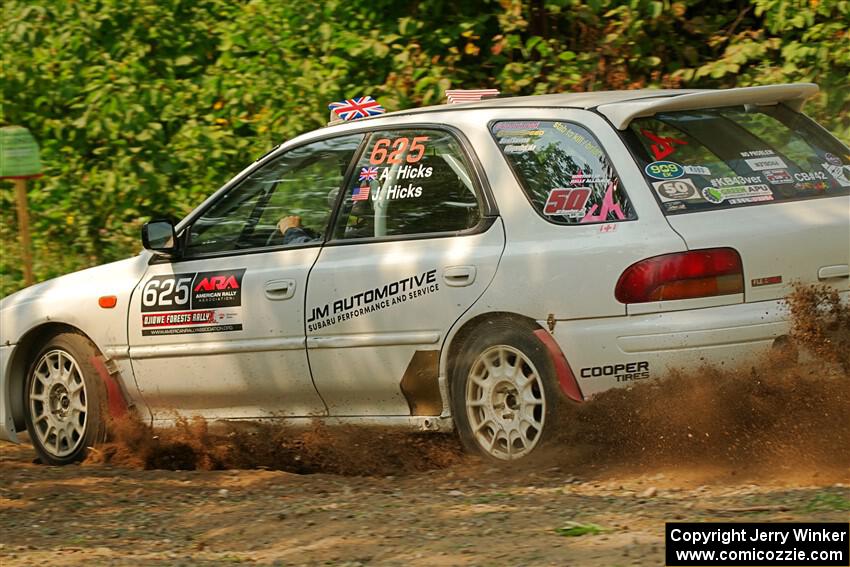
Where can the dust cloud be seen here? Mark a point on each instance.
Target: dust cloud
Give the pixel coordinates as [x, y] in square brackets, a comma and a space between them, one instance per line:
[786, 412]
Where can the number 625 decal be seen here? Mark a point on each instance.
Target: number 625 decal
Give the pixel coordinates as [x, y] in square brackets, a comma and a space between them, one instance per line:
[163, 293]
[391, 151]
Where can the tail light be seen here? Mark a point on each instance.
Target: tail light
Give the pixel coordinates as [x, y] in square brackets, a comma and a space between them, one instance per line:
[684, 275]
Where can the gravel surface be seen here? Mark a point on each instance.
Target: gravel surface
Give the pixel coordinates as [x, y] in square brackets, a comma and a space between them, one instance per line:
[469, 513]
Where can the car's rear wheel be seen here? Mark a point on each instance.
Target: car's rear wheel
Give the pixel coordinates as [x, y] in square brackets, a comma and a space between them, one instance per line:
[505, 399]
[65, 400]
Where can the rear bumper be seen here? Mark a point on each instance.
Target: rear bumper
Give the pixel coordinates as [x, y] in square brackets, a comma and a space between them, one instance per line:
[616, 351]
[7, 423]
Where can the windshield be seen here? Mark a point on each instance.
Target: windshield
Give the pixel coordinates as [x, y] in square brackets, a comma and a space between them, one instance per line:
[700, 160]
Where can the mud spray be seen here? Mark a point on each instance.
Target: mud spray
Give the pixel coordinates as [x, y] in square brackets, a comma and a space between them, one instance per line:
[786, 412]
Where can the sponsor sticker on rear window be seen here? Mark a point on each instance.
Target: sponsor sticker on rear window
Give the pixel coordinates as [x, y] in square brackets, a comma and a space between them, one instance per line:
[736, 156]
[741, 194]
[676, 190]
[760, 164]
[664, 170]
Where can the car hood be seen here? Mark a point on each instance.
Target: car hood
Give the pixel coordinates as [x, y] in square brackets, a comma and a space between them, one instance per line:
[73, 299]
[101, 273]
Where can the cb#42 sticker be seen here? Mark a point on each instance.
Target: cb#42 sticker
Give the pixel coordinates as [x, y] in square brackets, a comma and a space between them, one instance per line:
[195, 302]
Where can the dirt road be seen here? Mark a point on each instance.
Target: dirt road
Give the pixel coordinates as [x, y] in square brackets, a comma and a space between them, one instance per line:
[466, 514]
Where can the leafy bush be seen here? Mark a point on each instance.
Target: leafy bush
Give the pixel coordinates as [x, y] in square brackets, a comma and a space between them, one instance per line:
[144, 107]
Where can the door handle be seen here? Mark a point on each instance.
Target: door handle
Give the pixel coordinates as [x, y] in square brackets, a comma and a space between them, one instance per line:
[829, 272]
[280, 289]
[459, 276]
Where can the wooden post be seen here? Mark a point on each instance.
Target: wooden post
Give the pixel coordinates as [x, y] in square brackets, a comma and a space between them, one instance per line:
[24, 228]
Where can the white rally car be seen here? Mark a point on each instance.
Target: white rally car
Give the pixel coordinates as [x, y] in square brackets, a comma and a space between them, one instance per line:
[476, 266]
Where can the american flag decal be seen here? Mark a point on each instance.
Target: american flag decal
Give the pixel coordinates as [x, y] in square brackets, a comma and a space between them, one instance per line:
[360, 193]
[359, 107]
[368, 174]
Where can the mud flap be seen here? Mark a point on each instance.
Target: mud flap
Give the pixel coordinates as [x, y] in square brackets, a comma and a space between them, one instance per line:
[116, 400]
[566, 378]
[420, 383]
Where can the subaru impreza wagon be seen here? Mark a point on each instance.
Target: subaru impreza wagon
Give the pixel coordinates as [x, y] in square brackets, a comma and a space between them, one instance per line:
[477, 267]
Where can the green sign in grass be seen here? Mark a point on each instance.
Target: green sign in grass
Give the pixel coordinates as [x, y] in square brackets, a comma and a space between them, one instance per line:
[18, 153]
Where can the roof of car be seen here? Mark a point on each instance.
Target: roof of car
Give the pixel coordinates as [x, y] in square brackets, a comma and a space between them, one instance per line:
[569, 100]
[622, 106]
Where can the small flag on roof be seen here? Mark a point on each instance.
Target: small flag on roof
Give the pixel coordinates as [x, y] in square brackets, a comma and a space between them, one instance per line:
[459, 95]
[359, 107]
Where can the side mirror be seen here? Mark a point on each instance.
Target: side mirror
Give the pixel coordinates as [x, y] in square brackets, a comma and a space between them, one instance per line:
[158, 236]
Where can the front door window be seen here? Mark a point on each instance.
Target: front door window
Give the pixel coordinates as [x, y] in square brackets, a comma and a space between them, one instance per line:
[286, 202]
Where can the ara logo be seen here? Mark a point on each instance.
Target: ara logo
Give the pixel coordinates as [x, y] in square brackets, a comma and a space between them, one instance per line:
[217, 283]
[218, 289]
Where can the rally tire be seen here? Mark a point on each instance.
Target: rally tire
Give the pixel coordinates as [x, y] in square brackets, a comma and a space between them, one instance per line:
[504, 392]
[65, 400]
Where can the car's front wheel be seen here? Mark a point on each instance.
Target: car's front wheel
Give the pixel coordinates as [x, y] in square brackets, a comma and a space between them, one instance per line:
[505, 398]
[65, 400]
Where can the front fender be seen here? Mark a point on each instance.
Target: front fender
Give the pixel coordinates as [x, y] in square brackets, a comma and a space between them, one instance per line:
[69, 301]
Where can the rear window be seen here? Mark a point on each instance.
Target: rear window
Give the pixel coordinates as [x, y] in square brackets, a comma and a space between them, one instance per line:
[738, 156]
[564, 172]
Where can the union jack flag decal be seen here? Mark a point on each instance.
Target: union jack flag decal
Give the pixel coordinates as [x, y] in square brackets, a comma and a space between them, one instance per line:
[359, 107]
[368, 174]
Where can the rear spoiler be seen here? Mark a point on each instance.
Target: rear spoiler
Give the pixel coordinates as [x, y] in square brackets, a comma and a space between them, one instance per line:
[622, 113]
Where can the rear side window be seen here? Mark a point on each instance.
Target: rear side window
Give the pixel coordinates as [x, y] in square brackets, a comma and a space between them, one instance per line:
[564, 172]
[728, 157]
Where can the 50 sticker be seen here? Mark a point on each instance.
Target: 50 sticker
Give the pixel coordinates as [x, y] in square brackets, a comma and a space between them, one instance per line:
[676, 190]
[664, 170]
[391, 151]
[567, 202]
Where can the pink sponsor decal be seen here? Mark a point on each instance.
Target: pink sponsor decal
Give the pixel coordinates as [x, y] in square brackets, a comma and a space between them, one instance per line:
[608, 206]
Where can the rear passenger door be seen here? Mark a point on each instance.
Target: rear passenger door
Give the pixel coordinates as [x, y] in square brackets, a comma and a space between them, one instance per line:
[415, 243]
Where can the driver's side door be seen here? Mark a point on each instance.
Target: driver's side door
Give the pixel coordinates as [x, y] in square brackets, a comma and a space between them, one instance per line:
[219, 332]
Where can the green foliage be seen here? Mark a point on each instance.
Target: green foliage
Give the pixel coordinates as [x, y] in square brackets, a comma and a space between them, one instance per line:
[144, 107]
[576, 529]
[828, 502]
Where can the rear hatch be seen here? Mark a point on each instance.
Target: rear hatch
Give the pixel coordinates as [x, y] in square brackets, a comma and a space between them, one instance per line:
[764, 180]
